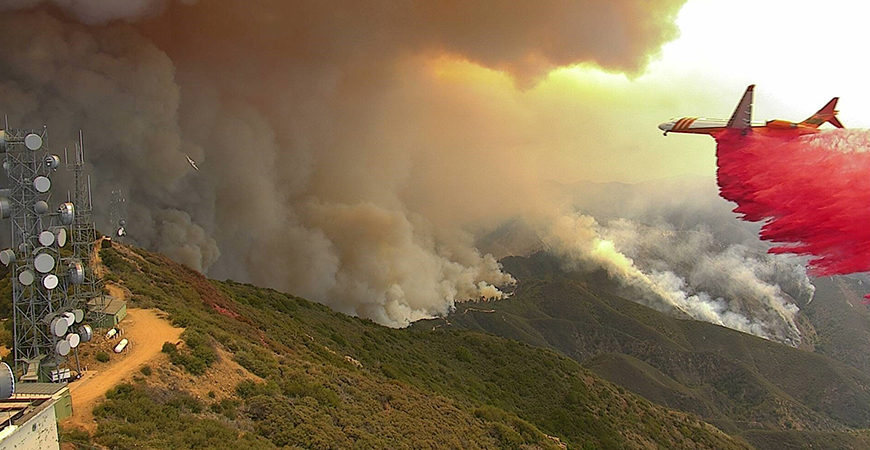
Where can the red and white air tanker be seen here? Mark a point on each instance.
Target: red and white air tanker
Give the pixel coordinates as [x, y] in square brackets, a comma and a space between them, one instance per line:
[741, 119]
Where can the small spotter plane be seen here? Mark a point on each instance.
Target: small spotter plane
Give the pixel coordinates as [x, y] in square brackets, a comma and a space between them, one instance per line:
[192, 163]
[741, 119]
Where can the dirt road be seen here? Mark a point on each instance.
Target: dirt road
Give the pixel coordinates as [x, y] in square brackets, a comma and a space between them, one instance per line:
[116, 291]
[146, 332]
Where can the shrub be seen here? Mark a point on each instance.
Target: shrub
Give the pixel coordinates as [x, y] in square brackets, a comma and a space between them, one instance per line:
[390, 371]
[102, 357]
[73, 435]
[146, 370]
[463, 354]
[185, 403]
[198, 356]
[227, 407]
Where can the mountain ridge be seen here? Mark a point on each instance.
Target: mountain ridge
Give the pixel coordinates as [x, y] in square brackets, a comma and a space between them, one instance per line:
[739, 382]
[333, 381]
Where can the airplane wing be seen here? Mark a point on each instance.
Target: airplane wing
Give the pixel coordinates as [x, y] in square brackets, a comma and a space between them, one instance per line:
[742, 116]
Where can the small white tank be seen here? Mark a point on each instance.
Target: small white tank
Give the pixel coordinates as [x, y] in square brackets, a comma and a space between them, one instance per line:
[111, 333]
[121, 345]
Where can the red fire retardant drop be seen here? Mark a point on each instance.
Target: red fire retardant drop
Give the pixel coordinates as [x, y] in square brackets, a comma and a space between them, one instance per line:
[811, 192]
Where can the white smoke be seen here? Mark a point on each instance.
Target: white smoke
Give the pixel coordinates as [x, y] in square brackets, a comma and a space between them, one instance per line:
[841, 140]
[689, 272]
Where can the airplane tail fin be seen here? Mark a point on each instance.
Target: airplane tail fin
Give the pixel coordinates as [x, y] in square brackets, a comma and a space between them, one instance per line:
[741, 119]
[826, 114]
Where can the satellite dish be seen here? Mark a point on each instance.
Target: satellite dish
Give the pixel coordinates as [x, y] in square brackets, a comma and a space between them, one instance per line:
[62, 347]
[122, 222]
[73, 340]
[52, 162]
[40, 207]
[59, 235]
[76, 273]
[6, 166]
[67, 213]
[33, 142]
[70, 318]
[7, 379]
[80, 315]
[41, 184]
[26, 277]
[3, 148]
[86, 333]
[43, 262]
[7, 256]
[46, 238]
[59, 326]
[121, 232]
[50, 281]
[5, 208]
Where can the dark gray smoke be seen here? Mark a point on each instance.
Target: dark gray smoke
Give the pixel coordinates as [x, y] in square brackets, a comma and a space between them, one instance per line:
[98, 11]
[333, 162]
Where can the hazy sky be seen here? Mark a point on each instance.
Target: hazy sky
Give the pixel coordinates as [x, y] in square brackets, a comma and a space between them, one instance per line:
[799, 53]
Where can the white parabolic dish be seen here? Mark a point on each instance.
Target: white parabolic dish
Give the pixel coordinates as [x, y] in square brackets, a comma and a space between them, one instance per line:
[63, 348]
[42, 184]
[59, 326]
[7, 256]
[50, 281]
[46, 238]
[26, 277]
[60, 233]
[33, 142]
[43, 262]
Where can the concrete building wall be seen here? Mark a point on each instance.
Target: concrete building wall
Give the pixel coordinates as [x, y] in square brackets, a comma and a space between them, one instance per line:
[38, 433]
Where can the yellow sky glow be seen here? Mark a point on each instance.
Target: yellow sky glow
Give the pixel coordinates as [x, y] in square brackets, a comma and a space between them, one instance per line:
[593, 125]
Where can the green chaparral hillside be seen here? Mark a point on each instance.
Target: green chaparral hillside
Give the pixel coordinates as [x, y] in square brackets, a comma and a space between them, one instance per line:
[770, 394]
[330, 381]
[841, 320]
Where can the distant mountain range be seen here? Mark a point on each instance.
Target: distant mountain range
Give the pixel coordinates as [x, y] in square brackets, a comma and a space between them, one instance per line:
[767, 393]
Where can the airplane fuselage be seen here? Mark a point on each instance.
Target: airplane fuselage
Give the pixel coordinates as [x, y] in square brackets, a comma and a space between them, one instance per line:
[703, 125]
[741, 120]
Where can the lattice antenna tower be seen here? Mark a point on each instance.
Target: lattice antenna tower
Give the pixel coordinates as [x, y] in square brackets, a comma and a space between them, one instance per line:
[45, 330]
[118, 215]
[88, 294]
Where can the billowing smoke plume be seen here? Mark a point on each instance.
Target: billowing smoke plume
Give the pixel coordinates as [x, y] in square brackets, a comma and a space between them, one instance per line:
[689, 272]
[812, 193]
[335, 164]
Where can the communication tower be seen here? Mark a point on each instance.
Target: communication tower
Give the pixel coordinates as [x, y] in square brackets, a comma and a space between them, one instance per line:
[48, 324]
[118, 215]
[88, 294]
